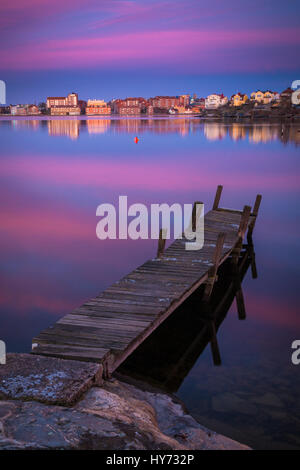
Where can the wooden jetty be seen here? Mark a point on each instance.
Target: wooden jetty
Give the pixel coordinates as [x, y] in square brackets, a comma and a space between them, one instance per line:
[108, 328]
[166, 357]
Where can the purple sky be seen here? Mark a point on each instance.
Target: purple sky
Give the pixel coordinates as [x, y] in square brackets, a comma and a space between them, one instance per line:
[107, 48]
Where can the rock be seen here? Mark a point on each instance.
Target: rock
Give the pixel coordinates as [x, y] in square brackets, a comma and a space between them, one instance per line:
[46, 379]
[116, 416]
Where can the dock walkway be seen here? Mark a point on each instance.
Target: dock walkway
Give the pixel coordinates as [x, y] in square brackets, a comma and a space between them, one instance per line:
[107, 328]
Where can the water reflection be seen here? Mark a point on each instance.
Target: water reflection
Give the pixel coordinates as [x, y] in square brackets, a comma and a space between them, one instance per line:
[212, 131]
[54, 175]
[63, 127]
[97, 126]
[170, 352]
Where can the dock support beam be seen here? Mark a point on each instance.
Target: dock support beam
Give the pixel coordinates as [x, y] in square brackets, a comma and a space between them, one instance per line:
[217, 197]
[254, 214]
[212, 275]
[161, 242]
[194, 215]
[249, 235]
[235, 259]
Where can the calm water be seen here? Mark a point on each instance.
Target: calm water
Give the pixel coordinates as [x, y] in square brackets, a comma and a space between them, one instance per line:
[53, 176]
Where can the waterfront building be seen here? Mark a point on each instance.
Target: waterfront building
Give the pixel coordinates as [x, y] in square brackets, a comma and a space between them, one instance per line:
[262, 97]
[4, 109]
[286, 97]
[65, 110]
[182, 109]
[129, 110]
[18, 110]
[238, 99]
[32, 109]
[215, 100]
[165, 102]
[149, 109]
[97, 107]
[184, 100]
[129, 106]
[72, 99]
[64, 105]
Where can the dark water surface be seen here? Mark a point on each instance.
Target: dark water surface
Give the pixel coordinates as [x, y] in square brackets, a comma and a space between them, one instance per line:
[55, 173]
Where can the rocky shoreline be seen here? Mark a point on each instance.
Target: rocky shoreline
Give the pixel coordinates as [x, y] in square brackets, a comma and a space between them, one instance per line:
[49, 403]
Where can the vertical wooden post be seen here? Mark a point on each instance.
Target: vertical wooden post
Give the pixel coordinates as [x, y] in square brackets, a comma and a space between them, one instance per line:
[235, 259]
[240, 303]
[249, 235]
[253, 264]
[214, 344]
[244, 221]
[194, 215]
[212, 274]
[254, 214]
[217, 197]
[161, 242]
[213, 270]
[257, 204]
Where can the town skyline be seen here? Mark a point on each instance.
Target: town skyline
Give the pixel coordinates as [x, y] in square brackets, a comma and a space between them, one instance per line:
[72, 105]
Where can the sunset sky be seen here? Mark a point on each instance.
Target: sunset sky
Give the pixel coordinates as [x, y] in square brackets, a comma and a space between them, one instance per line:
[119, 48]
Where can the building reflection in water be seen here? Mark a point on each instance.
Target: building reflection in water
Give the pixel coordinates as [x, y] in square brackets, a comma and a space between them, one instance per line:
[263, 133]
[98, 126]
[215, 130]
[237, 131]
[32, 124]
[255, 132]
[64, 127]
[165, 358]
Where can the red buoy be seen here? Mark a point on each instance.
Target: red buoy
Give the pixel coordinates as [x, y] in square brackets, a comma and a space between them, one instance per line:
[136, 140]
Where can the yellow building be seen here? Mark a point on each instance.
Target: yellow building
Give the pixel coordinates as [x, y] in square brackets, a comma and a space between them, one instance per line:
[263, 97]
[238, 99]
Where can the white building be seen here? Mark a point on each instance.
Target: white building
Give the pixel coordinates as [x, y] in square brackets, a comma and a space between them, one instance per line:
[215, 101]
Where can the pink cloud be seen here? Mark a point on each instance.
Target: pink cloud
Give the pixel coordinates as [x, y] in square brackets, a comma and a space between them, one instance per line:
[181, 46]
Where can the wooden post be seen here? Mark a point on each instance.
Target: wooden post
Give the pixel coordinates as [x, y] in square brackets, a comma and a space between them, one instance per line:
[253, 263]
[217, 197]
[254, 214]
[213, 270]
[207, 312]
[257, 204]
[244, 221]
[249, 235]
[214, 344]
[194, 215]
[161, 242]
[240, 303]
[235, 259]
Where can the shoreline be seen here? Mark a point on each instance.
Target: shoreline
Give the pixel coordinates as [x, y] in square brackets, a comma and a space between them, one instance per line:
[222, 120]
[50, 403]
